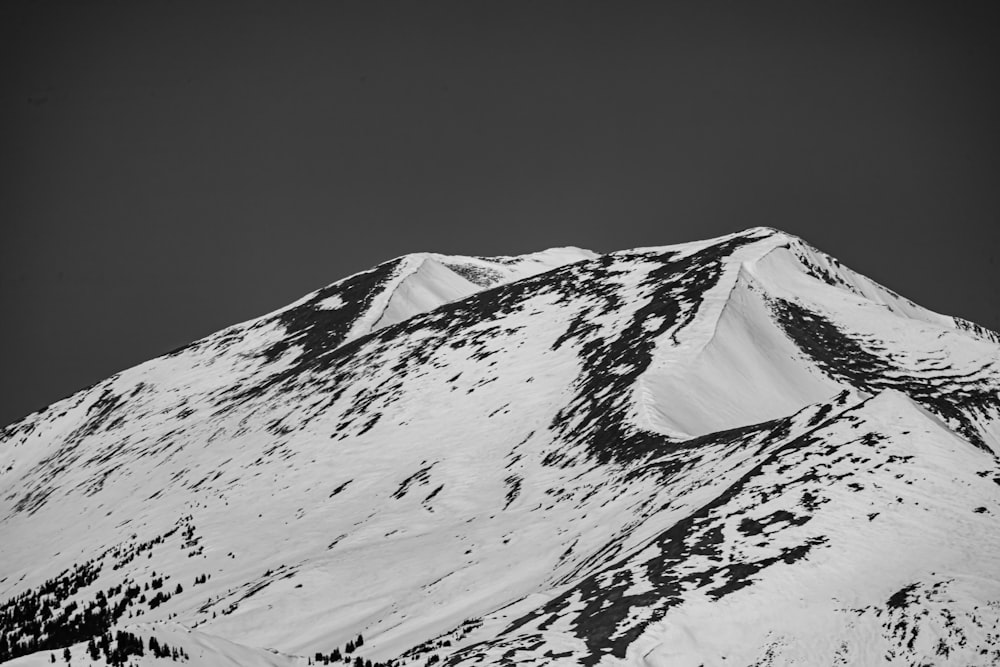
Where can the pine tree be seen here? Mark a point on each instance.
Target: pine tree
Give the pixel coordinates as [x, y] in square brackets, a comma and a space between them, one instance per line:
[66, 654]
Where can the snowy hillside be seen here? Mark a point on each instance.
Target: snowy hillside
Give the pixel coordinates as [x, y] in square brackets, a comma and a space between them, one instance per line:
[729, 452]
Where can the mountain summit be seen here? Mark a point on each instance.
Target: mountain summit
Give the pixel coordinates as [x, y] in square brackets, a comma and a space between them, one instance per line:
[729, 452]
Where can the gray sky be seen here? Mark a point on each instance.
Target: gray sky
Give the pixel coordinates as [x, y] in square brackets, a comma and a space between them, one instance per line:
[169, 168]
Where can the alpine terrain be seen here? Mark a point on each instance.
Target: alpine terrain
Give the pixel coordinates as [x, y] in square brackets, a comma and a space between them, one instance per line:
[732, 452]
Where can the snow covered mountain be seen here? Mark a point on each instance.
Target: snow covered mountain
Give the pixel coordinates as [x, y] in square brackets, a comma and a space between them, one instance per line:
[729, 452]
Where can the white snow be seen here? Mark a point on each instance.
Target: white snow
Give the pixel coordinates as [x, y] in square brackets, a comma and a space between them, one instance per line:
[437, 481]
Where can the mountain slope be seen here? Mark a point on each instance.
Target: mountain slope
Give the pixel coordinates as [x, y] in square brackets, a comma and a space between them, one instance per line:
[615, 459]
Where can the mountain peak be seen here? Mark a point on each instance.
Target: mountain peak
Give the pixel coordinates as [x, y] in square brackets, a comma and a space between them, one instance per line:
[553, 458]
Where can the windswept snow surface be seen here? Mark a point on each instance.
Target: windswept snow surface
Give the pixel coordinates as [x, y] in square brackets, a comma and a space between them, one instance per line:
[729, 452]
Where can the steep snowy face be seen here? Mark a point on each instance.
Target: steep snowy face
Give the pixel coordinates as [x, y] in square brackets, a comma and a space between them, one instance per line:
[734, 451]
[430, 280]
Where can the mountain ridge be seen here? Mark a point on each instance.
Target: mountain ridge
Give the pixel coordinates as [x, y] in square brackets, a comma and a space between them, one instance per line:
[556, 468]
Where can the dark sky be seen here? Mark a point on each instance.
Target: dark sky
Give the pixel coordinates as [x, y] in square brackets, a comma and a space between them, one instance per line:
[169, 168]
